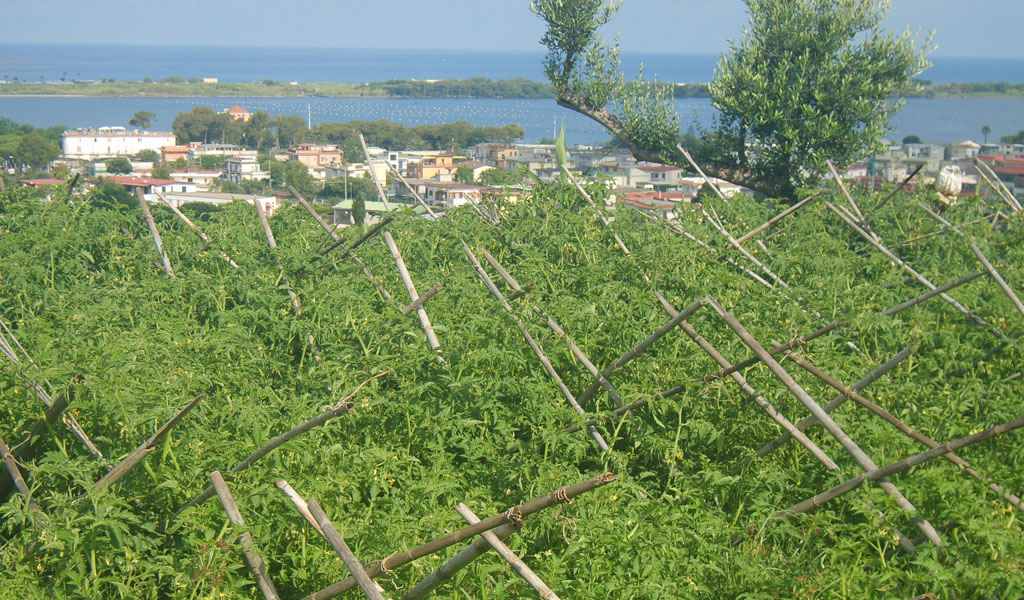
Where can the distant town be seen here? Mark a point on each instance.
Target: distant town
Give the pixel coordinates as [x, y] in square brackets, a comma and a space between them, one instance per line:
[156, 165]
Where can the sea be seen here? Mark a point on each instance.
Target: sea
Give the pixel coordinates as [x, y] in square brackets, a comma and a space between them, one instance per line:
[936, 120]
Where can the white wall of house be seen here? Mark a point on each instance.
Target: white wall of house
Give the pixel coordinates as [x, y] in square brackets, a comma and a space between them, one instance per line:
[90, 144]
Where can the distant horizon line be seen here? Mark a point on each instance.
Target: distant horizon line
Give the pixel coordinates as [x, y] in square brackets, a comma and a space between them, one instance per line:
[538, 51]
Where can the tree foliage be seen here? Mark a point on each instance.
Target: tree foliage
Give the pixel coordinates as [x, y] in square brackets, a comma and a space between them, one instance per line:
[810, 81]
[118, 165]
[35, 150]
[142, 118]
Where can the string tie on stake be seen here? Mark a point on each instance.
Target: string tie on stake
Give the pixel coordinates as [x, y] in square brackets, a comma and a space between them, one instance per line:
[513, 515]
[384, 566]
[561, 496]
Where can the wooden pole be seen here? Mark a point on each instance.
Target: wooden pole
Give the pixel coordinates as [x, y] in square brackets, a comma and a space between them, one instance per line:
[17, 479]
[897, 423]
[839, 400]
[732, 242]
[135, 456]
[897, 467]
[413, 295]
[918, 238]
[700, 172]
[252, 557]
[411, 189]
[148, 216]
[510, 557]
[299, 503]
[924, 280]
[999, 186]
[373, 174]
[548, 368]
[823, 417]
[418, 302]
[639, 349]
[193, 227]
[772, 412]
[478, 548]
[296, 303]
[899, 187]
[347, 556]
[512, 515]
[795, 343]
[25, 450]
[775, 219]
[939, 290]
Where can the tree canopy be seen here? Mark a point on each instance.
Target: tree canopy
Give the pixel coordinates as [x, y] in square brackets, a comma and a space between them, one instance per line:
[142, 118]
[811, 80]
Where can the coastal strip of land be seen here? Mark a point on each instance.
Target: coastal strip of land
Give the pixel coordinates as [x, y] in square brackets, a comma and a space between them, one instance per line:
[477, 87]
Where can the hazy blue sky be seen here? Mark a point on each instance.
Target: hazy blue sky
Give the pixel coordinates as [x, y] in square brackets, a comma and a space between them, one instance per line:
[985, 28]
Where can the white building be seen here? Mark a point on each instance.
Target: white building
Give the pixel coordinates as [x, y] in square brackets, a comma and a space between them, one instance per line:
[269, 203]
[244, 168]
[106, 142]
[203, 178]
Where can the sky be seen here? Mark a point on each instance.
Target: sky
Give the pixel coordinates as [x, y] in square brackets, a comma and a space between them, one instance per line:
[978, 28]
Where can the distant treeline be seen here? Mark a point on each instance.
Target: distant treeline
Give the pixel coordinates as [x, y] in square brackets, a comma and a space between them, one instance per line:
[927, 89]
[477, 87]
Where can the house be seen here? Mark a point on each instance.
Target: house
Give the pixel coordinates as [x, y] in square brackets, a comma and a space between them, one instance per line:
[197, 150]
[963, 151]
[374, 210]
[315, 155]
[475, 166]
[430, 168]
[150, 187]
[177, 199]
[659, 175]
[169, 154]
[450, 195]
[201, 177]
[108, 142]
[38, 184]
[338, 171]
[210, 80]
[244, 168]
[238, 113]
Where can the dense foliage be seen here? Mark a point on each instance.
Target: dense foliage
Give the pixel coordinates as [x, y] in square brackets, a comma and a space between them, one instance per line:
[809, 81]
[81, 287]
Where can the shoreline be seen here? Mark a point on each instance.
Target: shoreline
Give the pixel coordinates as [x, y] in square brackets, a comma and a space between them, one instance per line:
[476, 88]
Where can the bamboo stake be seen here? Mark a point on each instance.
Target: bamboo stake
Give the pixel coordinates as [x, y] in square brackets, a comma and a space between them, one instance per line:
[839, 400]
[600, 215]
[411, 189]
[897, 423]
[135, 456]
[501, 270]
[746, 254]
[924, 280]
[300, 504]
[413, 295]
[897, 467]
[478, 548]
[591, 368]
[373, 174]
[943, 288]
[25, 450]
[981, 258]
[995, 188]
[252, 557]
[899, 187]
[342, 407]
[418, 302]
[1000, 186]
[800, 341]
[155, 232]
[831, 426]
[697, 168]
[193, 227]
[512, 515]
[772, 412]
[17, 479]
[68, 419]
[296, 303]
[548, 368]
[505, 552]
[639, 349]
[849, 199]
[775, 219]
[918, 238]
[347, 556]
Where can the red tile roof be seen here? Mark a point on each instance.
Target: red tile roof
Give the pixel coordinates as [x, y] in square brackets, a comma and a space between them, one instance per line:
[35, 183]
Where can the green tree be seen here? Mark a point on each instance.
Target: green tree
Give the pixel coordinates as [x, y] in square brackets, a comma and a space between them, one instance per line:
[202, 124]
[464, 175]
[35, 150]
[985, 130]
[911, 139]
[142, 118]
[500, 177]
[292, 172]
[811, 80]
[118, 166]
[148, 155]
[359, 210]
[1016, 138]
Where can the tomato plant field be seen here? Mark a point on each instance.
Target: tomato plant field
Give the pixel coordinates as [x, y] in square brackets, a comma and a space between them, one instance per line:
[688, 501]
